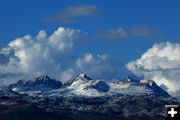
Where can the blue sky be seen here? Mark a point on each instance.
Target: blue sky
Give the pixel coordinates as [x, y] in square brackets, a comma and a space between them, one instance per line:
[123, 29]
[22, 17]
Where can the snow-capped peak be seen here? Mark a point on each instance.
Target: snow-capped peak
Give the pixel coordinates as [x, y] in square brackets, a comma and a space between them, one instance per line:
[44, 77]
[128, 79]
[83, 76]
[150, 82]
[42, 83]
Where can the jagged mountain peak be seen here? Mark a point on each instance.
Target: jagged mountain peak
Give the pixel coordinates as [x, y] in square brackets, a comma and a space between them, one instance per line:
[149, 82]
[42, 83]
[79, 77]
[152, 84]
[83, 76]
[128, 79]
[43, 77]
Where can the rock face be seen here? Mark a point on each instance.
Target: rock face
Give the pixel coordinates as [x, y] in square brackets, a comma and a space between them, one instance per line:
[101, 86]
[42, 83]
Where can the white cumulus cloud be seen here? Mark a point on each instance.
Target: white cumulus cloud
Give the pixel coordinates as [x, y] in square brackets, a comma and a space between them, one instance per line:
[29, 57]
[160, 63]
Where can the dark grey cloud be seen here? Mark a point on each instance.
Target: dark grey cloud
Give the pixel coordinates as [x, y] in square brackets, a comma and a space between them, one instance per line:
[69, 14]
[5, 54]
[145, 32]
[121, 33]
[4, 59]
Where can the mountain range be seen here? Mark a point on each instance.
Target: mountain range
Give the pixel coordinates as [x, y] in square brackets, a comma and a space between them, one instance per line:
[82, 85]
[82, 97]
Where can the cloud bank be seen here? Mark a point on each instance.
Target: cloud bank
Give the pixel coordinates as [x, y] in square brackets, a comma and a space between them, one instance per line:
[71, 13]
[160, 63]
[29, 56]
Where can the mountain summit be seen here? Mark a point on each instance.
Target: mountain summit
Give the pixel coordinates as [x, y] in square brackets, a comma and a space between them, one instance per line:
[83, 76]
[128, 79]
[42, 83]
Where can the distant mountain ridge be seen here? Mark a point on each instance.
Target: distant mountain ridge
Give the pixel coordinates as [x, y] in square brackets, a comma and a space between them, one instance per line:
[82, 85]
